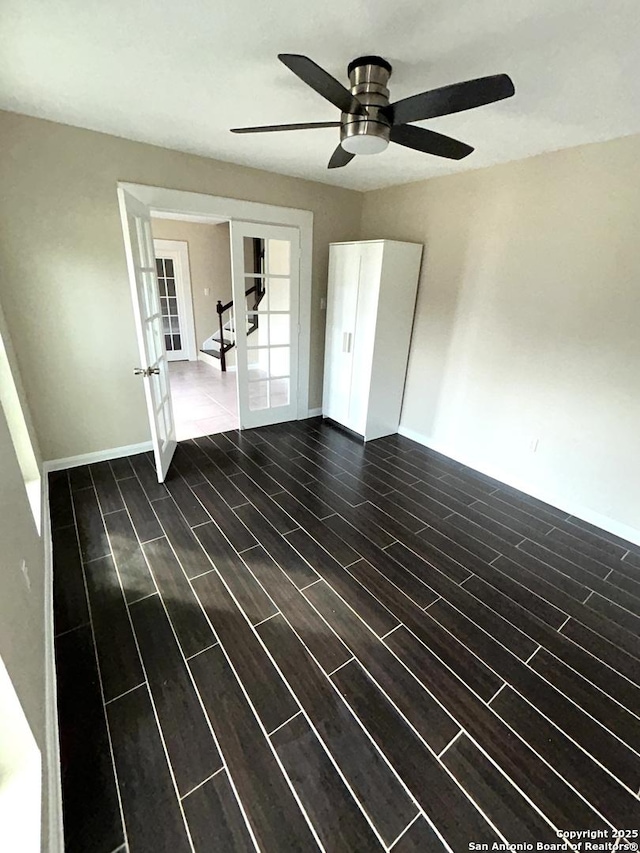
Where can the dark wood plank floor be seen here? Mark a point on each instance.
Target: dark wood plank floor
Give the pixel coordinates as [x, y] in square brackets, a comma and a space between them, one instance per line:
[303, 643]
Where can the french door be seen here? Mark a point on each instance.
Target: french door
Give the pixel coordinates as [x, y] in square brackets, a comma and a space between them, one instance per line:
[147, 311]
[174, 288]
[265, 261]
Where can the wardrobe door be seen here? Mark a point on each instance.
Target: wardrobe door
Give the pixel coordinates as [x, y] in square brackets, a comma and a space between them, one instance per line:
[364, 338]
[396, 307]
[342, 298]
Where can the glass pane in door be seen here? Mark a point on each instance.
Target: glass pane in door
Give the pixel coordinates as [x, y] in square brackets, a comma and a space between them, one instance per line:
[169, 304]
[279, 361]
[254, 293]
[279, 393]
[279, 329]
[258, 364]
[254, 253]
[278, 290]
[257, 330]
[258, 395]
[278, 257]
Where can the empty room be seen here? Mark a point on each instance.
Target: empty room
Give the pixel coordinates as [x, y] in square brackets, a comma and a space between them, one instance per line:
[319, 407]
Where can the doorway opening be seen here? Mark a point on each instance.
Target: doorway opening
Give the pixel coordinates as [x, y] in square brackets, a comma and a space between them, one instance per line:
[267, 334]
[193, 268]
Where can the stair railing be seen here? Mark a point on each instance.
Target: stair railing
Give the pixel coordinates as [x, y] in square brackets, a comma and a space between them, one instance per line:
[221, 309]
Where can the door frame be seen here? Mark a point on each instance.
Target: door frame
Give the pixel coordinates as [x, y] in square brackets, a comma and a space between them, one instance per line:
[180, 203]
[178, 250]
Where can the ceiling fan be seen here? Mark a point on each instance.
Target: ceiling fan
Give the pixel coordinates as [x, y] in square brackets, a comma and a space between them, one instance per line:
[369, 122]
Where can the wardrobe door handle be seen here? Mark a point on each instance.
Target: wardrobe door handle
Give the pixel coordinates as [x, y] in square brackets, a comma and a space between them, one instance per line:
[346, 341]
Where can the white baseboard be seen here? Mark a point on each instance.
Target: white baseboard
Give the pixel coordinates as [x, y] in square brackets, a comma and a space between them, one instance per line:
[617, 528]
[215, 362]
[96, 456]
[54, 828]
[209, 359]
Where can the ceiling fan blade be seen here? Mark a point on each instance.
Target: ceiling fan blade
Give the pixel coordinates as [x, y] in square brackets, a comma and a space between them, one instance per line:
[451, 99]
[429, 142]
[270, 128]
[339, 158]
[323, 83]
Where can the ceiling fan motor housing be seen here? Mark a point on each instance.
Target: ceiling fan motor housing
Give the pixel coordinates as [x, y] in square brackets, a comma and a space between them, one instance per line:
[368, 134]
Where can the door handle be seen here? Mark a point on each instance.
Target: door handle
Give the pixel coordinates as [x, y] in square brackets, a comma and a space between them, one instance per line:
[346, 342]
[145, 371]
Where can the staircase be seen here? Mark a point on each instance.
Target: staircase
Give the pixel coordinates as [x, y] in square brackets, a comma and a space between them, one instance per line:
[224, 339]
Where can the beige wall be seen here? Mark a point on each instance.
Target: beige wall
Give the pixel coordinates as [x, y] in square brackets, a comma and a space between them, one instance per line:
[209, 265]
[22, 609]
[64, 285]
[528, 318]
[526, 323]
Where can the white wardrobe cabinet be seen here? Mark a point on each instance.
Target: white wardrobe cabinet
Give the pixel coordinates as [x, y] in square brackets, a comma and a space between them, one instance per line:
[370, 303]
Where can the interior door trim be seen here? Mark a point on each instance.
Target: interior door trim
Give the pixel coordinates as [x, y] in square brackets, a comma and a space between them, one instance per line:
[189, 205]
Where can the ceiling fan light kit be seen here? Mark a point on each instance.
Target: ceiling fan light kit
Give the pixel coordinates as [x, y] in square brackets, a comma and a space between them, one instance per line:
[369, 122]
[370, 133]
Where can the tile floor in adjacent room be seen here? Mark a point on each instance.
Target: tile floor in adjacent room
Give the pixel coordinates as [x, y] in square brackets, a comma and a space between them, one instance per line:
[204, 399]
[300, 642]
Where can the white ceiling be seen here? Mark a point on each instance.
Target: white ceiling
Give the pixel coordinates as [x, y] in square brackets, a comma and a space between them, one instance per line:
[180, 73]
